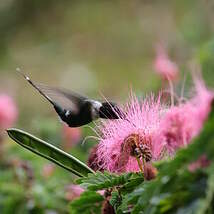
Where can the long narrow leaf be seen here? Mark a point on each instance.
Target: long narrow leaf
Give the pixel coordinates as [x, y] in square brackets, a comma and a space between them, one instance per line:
[49, 152]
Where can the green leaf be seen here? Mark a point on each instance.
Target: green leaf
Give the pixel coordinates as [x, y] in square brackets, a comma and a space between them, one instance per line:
[132, 184]
[115, 200]
[99, 180]
[49, 152]
[120, 184]
[89, 202]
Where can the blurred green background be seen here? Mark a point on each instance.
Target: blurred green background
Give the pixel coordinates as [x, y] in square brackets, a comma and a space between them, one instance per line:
[93, 47]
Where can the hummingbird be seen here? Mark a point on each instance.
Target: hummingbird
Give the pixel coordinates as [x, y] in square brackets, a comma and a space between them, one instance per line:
[74, 109]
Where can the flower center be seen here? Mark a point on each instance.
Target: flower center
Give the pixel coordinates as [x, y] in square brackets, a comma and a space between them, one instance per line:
[138, 146]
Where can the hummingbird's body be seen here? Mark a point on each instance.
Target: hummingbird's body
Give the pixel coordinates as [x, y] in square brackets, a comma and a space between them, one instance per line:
[84, 116]
[76, 110]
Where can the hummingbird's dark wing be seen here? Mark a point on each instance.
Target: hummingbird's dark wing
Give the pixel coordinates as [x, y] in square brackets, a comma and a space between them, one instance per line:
[66, 100]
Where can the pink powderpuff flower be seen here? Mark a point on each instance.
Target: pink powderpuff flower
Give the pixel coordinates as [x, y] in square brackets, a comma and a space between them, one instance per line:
[177, 127]
[73, 192]
[137, 134]
[71, 136]
[167, 69]
[8, 112]
[183, 122]
[202, 101]
[201, 162]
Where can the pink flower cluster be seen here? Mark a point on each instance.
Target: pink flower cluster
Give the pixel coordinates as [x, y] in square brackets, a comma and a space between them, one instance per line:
[151, 131]
[183, 122]
[8, 111]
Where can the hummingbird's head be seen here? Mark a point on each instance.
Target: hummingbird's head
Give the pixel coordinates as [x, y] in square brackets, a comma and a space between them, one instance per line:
[110, 110]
